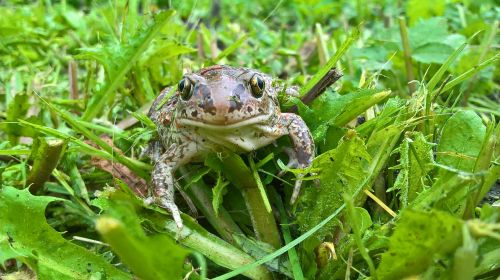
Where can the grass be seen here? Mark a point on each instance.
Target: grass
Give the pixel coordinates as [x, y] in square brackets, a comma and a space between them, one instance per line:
[407, 141]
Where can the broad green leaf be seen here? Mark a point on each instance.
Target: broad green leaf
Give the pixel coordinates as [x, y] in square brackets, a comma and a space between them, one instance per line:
[158, 222]
[415, 162]
[340, 171]
[426, 31]
[489, 261]
[448, 193]
[419, 239]
[372, 58]
[149, 257]
[358, 105]
[362, 219]
[461, 141]
[26, 236]
[337, 110]
[432, 53]
[424, 9]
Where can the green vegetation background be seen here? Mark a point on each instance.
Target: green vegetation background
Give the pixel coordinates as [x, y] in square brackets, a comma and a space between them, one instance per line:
[407, 141]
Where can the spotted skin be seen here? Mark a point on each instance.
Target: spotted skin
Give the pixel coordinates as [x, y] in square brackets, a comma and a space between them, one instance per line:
[221, 111]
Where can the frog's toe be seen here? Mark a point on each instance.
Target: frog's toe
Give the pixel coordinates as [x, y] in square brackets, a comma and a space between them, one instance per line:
[172, 208]
[148, 200]
[292, 161]
[292, 91]
[296, 189]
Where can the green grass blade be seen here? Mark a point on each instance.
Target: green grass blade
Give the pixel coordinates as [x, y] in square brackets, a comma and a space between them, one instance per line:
[469, 73]
[260, 186]
[331, 63]
[287, 237]
[440, 72]
[103, 96]
[229, 50]
[138, 167]
[13, 152]
[85, 148]
[282, 250]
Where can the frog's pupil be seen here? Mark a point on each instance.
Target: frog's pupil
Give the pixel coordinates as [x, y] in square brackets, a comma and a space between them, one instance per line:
[260, 83]
[181, 85]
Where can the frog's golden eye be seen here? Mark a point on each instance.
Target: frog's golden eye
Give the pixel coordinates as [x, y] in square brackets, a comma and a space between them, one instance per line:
[185, 88]
[257, 85]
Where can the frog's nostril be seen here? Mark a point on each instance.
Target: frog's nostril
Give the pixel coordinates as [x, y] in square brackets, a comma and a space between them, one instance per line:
[205, 92]
[235, 104]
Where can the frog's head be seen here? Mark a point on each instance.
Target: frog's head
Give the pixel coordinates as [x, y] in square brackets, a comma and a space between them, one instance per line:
[222, 95]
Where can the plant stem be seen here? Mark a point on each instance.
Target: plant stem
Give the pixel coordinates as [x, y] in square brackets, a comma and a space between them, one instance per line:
[329, 79]
[263, 222]
[407, 54]
[321, 45]
[223, 223]
[46, 154]
[217, 250]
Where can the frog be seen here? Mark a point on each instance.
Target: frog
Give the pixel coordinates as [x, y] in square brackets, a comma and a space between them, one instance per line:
[214, 109]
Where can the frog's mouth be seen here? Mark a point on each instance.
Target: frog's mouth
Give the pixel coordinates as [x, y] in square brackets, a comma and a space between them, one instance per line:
[256, 120]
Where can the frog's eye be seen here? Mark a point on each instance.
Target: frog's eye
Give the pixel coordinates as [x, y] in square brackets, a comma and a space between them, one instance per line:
[257, 85]
[185, 88]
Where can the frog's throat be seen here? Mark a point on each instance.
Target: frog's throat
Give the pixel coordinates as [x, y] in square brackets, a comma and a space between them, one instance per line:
[260, 119]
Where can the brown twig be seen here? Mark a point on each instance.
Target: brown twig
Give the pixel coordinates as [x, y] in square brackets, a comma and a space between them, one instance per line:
[120, 171]
[328, 80]
[73, 79]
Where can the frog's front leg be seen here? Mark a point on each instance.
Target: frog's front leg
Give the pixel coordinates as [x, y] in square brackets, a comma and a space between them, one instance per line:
[303, 144]
[163, 176]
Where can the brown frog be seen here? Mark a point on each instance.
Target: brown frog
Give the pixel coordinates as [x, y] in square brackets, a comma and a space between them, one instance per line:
[220, 107]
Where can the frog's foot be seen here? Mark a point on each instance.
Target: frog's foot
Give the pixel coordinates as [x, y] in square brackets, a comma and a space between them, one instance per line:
[154, 151]
[169, 205]
[292, 91]
[296, 189]
[293, 162]
[163, 176]
[303, 146]
[164, 190]
[148, 201]
[172, 208]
